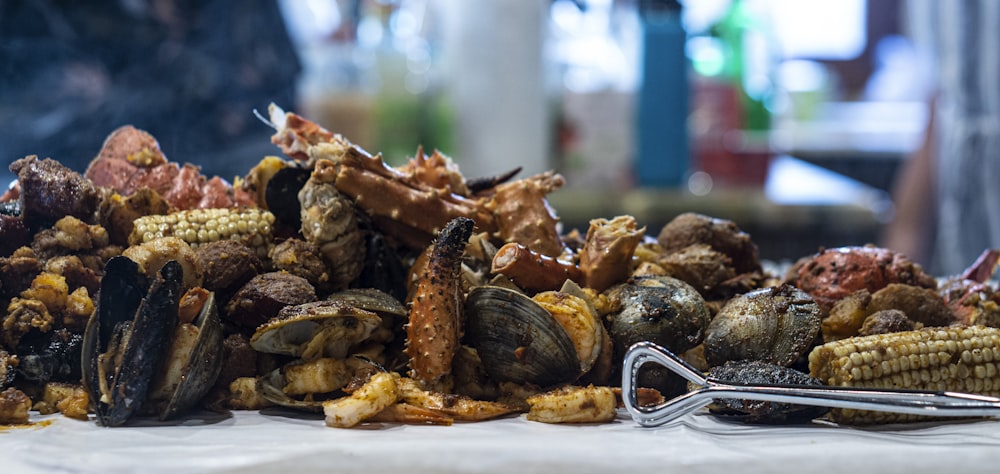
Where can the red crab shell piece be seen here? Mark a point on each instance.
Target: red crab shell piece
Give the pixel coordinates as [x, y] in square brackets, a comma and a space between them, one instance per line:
[523, 215]
[436, 171]
[295, 134]
[131, 159]
[835, 273]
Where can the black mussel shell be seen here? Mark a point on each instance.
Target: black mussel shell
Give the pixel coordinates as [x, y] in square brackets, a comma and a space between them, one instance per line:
[129, 335]
[7, 370]
[383, 268]
[282, 195]
[14, 233]
[760, 412]
[50, 357]
[204, 363]
[11, 208]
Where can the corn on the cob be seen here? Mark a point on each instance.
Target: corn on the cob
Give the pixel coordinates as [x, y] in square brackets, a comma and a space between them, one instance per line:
[960, 359]
[201, 226]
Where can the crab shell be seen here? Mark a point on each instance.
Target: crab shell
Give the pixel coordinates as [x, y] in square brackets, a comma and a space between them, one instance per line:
[128, 341]
[835, 273]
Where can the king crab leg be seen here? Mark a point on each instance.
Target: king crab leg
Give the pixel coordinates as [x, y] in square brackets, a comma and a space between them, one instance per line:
[433, 331]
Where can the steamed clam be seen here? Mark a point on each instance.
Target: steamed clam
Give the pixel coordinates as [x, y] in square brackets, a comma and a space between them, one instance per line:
[661, 309]
[523, 340]
[318, 337]
[301, 384]
[137, 357]
[327, 328]
[775, 324]
[393, 314]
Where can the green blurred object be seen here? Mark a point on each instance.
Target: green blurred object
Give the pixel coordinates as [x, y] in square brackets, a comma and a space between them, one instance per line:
[405, 120]
[745, 63]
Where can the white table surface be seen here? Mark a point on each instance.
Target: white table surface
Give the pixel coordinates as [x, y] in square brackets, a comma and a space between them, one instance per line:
[281, 441]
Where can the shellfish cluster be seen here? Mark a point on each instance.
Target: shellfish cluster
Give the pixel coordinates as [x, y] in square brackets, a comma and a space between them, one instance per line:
[326, 280]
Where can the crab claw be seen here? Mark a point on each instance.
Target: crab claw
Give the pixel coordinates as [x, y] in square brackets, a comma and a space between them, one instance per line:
[433, 331]
[984, 266]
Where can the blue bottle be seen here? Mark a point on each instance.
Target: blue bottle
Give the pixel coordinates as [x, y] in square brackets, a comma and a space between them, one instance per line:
[662, 152]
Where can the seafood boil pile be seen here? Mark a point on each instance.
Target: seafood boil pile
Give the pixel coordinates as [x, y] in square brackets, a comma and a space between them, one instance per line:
[328, 281]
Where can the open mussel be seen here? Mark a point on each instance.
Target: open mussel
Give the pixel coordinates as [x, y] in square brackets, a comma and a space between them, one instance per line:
[134, 335]
[193, 363]
[517, 339]
[274, 184]
[281, 194]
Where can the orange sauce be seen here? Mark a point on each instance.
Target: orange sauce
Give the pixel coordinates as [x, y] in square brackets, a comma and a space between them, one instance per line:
[37, 424]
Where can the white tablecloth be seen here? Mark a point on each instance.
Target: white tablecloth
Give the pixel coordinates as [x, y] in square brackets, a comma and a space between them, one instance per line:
[281, 441]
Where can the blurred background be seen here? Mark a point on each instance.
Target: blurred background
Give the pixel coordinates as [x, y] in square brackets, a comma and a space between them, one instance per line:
[790, 117]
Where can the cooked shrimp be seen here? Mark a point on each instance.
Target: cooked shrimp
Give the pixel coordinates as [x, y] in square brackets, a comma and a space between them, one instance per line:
[403, 412]
[572, 404]
[374, 396]
[456, 406]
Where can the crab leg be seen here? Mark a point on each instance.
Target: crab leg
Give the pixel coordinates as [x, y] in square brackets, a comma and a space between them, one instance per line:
[424, 211]
[294, 134]
[433, 331]
[532, 271]
[984, 266]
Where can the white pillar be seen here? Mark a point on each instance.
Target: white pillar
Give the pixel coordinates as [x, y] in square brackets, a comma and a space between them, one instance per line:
[495, 61]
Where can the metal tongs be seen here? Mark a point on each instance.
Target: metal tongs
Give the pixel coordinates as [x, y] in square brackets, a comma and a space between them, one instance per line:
[915, 402]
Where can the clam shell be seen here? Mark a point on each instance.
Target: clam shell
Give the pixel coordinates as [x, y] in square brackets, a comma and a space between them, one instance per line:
[270, 387]
[371, 299]
[517, 340]
[663, 310]
[318, 329]
[776, 325]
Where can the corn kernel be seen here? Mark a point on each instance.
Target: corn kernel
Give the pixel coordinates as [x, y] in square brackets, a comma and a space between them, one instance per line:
[202, 226]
